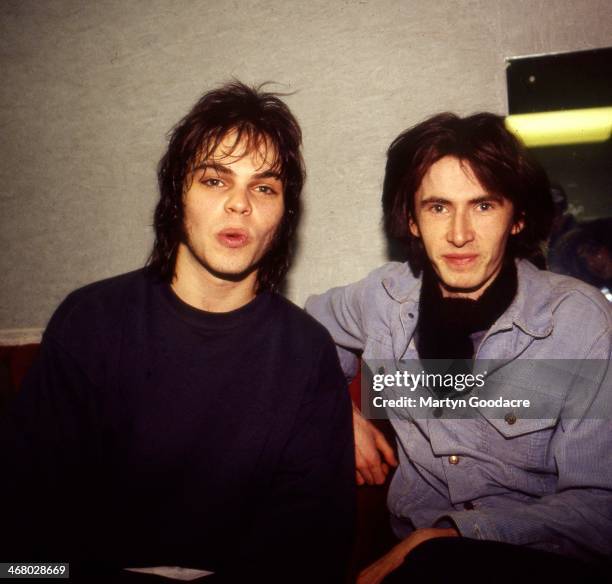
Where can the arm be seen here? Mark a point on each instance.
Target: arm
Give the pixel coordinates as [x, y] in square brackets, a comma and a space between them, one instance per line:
[576, 519]
[46, 458]
[373, 454]
[341, 311]
[304, 530]
[392, 560]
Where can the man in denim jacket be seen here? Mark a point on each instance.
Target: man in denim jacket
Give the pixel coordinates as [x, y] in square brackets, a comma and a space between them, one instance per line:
[474, 209]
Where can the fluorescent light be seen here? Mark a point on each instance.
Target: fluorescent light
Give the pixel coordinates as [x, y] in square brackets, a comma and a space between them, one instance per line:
[562, 127]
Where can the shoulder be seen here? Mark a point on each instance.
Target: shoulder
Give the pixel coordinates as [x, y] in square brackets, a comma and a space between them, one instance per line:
[95, 305]
[297, 323]
[581, 311]
[569, 289]
[393, 281]
[307, 347]
[397, 279]
[579, 314]
[570, 297]
[368, 306]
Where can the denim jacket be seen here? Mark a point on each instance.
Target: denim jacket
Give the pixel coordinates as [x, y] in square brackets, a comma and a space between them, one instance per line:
[542, 483]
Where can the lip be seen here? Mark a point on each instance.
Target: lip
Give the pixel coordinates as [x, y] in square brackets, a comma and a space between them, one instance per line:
[233, 237]
[460, 259]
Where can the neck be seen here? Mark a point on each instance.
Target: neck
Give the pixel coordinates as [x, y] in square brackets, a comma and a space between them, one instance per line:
[446, 323]
[198, 287]
[490, 299]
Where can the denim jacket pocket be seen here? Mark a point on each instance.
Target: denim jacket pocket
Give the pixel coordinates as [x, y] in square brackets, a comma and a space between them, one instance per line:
[520, 407]
[512, 427]
[523, 444]
[520, 438]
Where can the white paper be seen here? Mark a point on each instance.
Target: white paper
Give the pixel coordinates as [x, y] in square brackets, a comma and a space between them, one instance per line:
[174, 572]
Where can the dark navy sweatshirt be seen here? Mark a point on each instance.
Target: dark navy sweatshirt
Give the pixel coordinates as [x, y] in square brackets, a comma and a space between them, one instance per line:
[152, 433]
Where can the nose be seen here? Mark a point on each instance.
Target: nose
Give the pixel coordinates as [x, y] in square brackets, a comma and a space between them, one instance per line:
[460, 231]
[238, 201]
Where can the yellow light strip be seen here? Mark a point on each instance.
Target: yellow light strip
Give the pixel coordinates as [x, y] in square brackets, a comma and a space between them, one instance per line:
[562, 127]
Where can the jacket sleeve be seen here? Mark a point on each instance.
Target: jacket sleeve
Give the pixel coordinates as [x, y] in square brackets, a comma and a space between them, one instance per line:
[577, 519]
[46, 457]
[342, 312]
[304, 528]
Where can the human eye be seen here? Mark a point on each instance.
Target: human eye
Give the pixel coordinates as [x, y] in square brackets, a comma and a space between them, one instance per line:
[266, 189]
[437, 208]
[212, 181]
[484, 206]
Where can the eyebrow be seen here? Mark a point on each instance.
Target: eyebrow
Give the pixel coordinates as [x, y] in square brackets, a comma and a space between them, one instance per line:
[268, 174]
[475, 201]
[221, 169]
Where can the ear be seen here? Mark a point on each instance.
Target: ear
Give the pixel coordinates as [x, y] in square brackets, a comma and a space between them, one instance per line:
[518, 226]
[413, 227]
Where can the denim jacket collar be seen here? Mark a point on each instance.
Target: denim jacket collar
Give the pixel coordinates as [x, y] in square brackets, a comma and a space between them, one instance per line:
[402, 285]
[530, 310]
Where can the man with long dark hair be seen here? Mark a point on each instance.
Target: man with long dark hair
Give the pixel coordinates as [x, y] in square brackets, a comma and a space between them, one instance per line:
[482, 484]
[185, 414]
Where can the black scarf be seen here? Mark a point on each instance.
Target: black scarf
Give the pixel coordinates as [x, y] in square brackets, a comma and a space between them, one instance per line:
[445, 324]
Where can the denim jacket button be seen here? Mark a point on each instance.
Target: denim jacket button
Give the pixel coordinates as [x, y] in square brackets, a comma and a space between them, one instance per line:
[453, 459]
[510, 418]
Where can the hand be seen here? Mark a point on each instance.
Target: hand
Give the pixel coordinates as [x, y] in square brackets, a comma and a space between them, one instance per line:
[370, 443]
[376, 572]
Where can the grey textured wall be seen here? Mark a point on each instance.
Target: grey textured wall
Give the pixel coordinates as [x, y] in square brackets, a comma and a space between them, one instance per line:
[89, 90]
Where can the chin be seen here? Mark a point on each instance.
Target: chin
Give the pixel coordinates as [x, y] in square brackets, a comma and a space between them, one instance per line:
[454, 280]
[230, 270]
[460, 286]
[467, 285]
[459, 281]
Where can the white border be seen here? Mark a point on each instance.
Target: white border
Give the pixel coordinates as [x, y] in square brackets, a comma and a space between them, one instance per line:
[16, 337]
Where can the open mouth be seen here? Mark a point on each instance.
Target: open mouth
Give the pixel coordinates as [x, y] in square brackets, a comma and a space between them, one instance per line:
[233, 237]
